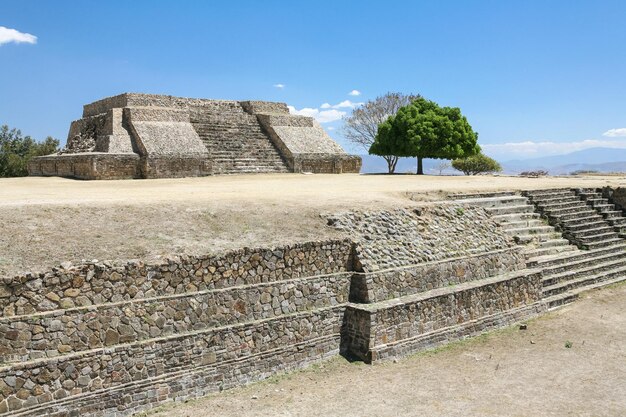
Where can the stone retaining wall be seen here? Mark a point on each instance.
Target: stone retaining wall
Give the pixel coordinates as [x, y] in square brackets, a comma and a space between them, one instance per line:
[63, 331]
[371, 327]
[108, 338]
[395, 238]
[397, 282]
[38, 382]
[96, 283]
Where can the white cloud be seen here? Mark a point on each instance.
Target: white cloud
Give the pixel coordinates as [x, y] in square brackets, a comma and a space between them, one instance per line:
[279, 86]
[325, 106]
[346, 104]
[11, 35]
[330, 128]
[529, 149]
[613, 133]
[322, 116]
[354, 93]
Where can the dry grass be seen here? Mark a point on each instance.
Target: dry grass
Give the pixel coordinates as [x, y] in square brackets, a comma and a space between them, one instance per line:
[45, 221]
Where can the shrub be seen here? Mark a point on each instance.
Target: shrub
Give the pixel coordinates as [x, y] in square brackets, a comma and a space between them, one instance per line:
[477, 164]
[16, 150]
[534, 174]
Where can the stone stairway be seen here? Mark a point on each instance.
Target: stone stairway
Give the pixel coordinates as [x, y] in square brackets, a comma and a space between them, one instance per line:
[236, 142]
[566, 270]
[582, 224]
[611, 214]
[566, 275]
[517, 217]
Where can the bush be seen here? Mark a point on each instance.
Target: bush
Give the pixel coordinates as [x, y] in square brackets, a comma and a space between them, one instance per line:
[16, 150]
[584, 172]
[477, 164]
[534, 174]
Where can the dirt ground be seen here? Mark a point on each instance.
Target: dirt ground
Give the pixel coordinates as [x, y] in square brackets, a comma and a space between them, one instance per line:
[46, 221]
[509, 372]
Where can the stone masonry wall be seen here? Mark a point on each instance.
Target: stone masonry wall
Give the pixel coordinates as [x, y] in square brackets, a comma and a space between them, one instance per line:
[401, 237]
[95, 283]
[81, 337]
[37, 382]
[115, 338]
[397, 282]
[63, 331]
[403, 325]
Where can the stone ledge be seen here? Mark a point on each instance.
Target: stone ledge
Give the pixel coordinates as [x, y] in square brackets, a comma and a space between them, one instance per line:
[369, 326]
[77, 373]
[130, 398]
[461, 331]
[87, 166]
[370, 287]
[76, 329]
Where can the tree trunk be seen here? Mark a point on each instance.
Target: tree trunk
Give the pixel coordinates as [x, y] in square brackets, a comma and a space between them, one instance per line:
[420, 167]
[391, 163]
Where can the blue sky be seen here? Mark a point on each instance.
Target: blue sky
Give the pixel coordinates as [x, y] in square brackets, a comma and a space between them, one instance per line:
[533, 77]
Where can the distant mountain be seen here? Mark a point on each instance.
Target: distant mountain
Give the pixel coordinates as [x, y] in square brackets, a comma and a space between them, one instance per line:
[593, 159]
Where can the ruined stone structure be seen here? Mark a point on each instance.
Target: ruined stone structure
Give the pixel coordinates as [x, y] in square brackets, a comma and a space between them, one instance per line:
[154, 136]
[114, 338]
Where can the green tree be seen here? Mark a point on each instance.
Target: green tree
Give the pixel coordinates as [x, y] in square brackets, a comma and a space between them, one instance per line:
[361, 126]
[423, 129]
[16, 150]
[476, 164]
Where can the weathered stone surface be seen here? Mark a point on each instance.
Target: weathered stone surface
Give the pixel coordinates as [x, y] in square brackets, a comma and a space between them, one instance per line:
[153, 136]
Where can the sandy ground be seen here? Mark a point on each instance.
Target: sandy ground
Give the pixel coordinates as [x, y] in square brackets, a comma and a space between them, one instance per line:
[46, 221]
[508, 372]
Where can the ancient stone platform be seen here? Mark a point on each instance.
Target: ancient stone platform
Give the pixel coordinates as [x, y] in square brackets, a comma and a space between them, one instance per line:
[114, 338]
[155, 136]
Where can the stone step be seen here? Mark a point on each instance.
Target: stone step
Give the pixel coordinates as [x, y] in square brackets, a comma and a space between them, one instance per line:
[581, 268]
[617, 221]
[552, 242]
[580, 227]
[600, 237]
[603, 243]
[563, 213]
[604, 207]
[499, 201]
[612, 214]
[547, 261]
[583, 262]
[514, 217]
[548, 250]
[540, 239]
[562, 205]
[616, 273]
[464, 196]
[548, 193]
[585, 215]
[557, 199]
[567, 297]
[523, 208]
[510, 225]
[530, 230]
[602, 228]
[581, 221]
[595, 200]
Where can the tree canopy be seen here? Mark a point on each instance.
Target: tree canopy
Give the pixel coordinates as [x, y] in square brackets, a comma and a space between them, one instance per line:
[423, 129]
[16, 150]
[361, 126]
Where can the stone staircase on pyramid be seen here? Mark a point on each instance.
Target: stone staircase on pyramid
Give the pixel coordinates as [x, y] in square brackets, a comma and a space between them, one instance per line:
[572, 241]
[236, 141]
